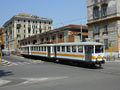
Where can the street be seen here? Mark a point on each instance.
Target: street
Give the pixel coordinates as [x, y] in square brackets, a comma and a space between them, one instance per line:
[27, 74]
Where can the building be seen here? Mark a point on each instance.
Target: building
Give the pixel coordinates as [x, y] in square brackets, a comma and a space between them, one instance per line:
[69, 33]
[2, 36]
[22, 26]
[104, 23]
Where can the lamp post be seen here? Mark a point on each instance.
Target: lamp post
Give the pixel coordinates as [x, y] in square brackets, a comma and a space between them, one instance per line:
[81, 31]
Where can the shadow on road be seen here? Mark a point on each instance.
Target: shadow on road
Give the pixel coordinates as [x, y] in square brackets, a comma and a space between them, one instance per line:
[5, 73]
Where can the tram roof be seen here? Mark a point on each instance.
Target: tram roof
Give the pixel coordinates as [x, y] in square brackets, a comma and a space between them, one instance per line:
[80, 43]
[64, 44]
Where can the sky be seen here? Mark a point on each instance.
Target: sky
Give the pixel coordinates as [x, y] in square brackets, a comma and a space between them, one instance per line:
[62, 12]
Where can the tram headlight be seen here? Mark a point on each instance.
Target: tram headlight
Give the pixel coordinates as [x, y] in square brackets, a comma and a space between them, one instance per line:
[103, 58]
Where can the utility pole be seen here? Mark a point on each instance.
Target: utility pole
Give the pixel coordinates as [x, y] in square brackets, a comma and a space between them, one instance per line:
[81, 31]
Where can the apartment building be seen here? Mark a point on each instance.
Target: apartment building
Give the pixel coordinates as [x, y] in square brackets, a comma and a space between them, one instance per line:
[104, 23]
[22, 26]
[2, 37]
[65, 34]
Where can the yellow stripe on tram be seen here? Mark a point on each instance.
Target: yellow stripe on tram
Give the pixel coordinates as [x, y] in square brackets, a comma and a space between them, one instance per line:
[39, 53]
[70, 55]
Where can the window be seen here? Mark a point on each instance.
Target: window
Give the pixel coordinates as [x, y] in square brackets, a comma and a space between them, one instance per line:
[68, 48]
[42, 39]
[24, 36]
[99, 49]
[63, 48]
[73, 48]
[106, 44]
[29, 30]
[49, 28]
[53, 38]
[18, 30]
[24, 31]
[18, 35]
[97, 40]
[44, 48]
[31, 48]
[18, 26]
[95, 12]
[47, 39]
[80, 49]
[41, 48]
[96, 29]
[36, 31]
[58, 48]
[33, 26]
[60, 36]
[104, 10]
[105, 27]
[45, 28]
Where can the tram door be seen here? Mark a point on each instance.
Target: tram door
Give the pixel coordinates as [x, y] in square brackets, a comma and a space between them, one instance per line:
[49, 50]
[55, 52]
[88, 53]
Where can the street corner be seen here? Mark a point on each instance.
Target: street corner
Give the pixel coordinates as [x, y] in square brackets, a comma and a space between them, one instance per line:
[5, 62]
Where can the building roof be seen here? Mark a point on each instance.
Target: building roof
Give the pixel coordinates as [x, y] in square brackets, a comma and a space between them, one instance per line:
[68, 27]
[28, 17]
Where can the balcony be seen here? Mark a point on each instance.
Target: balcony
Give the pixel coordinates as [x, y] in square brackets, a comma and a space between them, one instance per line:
[96, 33]
[105, 32]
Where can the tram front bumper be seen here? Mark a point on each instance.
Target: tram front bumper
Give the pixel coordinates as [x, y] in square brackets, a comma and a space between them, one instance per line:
[100, 62]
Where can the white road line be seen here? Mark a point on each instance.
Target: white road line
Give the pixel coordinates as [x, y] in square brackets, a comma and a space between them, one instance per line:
[36, 80]
[3, 82]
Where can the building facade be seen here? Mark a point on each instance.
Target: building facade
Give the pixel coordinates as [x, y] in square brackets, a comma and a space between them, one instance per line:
[22, 26]
[1, 36]
[69, 33]
[104, 23]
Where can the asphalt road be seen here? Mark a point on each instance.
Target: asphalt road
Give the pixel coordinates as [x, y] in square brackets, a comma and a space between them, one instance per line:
[27, 74]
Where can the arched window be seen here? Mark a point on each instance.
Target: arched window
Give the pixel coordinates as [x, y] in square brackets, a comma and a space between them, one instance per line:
[104, 9]
[96, 12]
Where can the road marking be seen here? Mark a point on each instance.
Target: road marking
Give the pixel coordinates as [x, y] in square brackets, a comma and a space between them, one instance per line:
[36, 80]
[3, 82]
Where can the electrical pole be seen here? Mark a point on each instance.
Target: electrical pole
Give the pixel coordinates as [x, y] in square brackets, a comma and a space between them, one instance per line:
[81, 31]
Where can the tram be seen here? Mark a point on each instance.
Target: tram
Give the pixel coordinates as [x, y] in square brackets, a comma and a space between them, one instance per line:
[88, 52]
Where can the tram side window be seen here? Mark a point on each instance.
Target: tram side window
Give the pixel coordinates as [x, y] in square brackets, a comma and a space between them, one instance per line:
[31, 48]
[37, 49]
[63, 48]
[41, 48]
[68, 48]
[99, 49]
[80, 49]
[73, 48]
[58, 48]
[44, 48]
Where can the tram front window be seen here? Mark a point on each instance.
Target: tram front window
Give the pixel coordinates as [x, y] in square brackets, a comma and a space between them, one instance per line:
[99, 49]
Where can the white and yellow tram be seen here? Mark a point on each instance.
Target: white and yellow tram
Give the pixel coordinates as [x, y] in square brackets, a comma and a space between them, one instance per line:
[90, 52]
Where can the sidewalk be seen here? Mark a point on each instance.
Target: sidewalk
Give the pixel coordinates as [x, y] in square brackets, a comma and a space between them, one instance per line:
[4, 62]
[114, 60]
